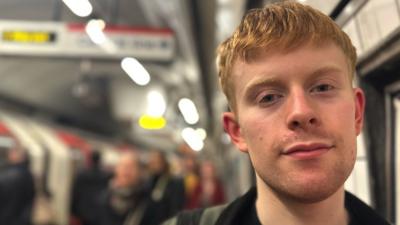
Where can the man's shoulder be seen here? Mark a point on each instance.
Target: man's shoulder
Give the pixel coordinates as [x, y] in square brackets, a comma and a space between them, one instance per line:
[221, 214]
[361, 213]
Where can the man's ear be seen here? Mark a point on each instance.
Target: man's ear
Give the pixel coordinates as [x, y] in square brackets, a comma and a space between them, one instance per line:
[232, 127]
[359, 99]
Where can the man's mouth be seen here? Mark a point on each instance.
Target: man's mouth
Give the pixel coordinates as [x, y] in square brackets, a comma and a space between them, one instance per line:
[303, 151]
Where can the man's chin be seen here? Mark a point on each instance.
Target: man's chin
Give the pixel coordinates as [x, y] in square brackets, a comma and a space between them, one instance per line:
[308, 191]
[310, 196]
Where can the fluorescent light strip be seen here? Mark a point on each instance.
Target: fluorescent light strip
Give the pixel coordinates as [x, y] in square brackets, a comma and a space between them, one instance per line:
[155, 104]
[135, 71]
[80, 8]
[191, 138]
[188, 110]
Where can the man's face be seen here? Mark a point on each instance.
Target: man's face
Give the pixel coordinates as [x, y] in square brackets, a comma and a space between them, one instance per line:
[127, 171]
[298, 117]
[156, 163]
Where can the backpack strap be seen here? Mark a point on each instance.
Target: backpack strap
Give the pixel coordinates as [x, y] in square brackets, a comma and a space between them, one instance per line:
[211, 215]
[172, 221]
[206, 216]
[191, 217]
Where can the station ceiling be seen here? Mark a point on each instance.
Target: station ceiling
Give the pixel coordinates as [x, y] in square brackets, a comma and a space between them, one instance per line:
[46, 86]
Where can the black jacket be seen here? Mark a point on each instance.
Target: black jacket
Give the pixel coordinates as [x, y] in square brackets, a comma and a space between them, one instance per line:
[361, 213]
[16, 195]
[168, 195]
[88, 186]
[142, 211]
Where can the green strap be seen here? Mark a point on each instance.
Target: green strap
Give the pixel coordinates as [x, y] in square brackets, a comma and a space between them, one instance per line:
[172, 221]
[208, 217]
[211, 215]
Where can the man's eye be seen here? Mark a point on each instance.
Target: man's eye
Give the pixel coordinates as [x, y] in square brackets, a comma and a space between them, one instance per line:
[322, 88]
[270, 98]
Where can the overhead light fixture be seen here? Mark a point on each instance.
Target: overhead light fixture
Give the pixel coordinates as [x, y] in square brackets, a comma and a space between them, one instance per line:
[192, 138]
[135, 71]
[202, 133]
[95, 30]
[156, 105]
[188, 110]
[80, 8]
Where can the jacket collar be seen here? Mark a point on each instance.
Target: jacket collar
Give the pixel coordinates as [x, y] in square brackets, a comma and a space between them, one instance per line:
[359, 211]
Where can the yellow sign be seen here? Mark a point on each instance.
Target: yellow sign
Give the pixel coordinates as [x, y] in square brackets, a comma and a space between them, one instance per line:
[38, 37]
[152, 123]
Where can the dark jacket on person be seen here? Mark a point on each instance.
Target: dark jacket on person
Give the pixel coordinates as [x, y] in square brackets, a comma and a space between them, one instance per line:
[126, 207]
[168, 194]
[87, 187]
[233, 213]
[16, 194]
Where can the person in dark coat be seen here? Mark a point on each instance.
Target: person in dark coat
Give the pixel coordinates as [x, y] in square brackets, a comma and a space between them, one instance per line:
[16, 189]
[167, 191]
[126, 201]
[88, 185]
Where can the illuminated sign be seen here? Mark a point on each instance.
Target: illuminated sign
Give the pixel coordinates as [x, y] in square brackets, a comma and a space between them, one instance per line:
[49, 39]
[37, 37]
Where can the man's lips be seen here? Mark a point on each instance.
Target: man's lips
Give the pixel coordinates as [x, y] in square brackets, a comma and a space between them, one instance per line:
[307, 150]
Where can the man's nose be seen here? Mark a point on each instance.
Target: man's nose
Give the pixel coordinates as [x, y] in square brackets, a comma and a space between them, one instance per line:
[301, 112]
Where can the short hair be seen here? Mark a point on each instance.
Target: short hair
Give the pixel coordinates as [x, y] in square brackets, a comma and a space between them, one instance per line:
[281, 26]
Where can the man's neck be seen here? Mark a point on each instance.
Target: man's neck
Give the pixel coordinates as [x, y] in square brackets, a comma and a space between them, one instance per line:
[273, 209]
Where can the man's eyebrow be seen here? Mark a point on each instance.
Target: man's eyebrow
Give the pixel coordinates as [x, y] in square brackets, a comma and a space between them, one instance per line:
[257, 84]
[326, 70]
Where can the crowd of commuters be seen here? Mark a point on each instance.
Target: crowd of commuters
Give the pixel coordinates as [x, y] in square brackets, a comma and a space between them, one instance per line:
[142, 190]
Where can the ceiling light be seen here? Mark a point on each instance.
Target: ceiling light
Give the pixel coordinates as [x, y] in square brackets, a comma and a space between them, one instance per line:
[94, 28]
[188, 110]
[191, 138]
[135, 71]
[202, 133]
[155, 104]
[80, 8]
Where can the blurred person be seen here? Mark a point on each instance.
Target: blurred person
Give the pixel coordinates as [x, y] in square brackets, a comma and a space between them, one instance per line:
[87, 185]
[191, 179]
[17, 189]
[167, 191]
[126, 200]
[209, 191]
[287, 73]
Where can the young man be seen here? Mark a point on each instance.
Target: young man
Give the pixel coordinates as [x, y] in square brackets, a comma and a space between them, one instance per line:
[287, 73]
